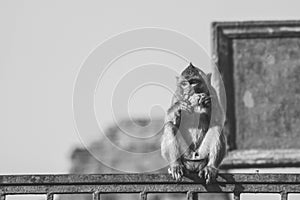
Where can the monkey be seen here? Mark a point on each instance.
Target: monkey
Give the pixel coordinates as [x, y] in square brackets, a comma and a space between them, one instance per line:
[192, 140]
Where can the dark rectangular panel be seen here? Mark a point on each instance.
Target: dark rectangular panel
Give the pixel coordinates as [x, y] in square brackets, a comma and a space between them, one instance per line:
[260, 65]
[267, 92]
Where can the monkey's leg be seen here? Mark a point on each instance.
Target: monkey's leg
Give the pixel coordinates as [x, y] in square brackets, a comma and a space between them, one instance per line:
[213, 148]
[170, 149]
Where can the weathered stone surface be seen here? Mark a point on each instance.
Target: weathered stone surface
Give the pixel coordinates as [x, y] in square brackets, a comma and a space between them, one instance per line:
[262, 158]
[267, 92]
[260, 64]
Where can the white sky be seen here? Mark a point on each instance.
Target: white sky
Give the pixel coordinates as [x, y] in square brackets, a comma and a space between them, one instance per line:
[43, 43]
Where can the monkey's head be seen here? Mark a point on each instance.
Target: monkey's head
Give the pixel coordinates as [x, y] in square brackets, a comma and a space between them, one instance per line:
[194, 80]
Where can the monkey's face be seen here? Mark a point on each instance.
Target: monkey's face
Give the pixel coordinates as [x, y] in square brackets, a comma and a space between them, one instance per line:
[198, 85]
[184, 86]
[193, 76]
[190, 87]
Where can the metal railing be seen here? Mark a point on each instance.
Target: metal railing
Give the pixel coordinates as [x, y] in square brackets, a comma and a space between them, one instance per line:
[144, 184]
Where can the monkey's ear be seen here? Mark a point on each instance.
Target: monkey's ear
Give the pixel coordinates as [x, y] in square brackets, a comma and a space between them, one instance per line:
[209, 77]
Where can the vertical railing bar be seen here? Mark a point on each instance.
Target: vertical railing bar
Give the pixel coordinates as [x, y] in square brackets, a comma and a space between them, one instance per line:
[284, 196]
[143, 196]
[96, 196]
[191, 195]
[2, 196]
[50, 196]
[236, 195]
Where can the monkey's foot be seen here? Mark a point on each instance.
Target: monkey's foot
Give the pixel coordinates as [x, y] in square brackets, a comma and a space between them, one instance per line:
[176, 171]
[209, 174]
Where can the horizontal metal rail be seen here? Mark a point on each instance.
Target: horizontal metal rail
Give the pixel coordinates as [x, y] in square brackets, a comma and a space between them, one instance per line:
[143, 184]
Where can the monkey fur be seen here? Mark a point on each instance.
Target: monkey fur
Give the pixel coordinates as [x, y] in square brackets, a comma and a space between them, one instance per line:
[192, 141]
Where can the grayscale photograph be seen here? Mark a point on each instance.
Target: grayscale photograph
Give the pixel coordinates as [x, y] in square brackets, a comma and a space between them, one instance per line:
[149, 100]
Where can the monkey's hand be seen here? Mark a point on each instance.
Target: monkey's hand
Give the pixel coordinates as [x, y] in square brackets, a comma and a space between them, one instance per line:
[208, 173]
[185, 105]
[176, 171]
[181, 105]
[204, 100]
[194, 100]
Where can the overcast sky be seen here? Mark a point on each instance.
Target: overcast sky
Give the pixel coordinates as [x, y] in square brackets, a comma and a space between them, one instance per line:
[44, 43]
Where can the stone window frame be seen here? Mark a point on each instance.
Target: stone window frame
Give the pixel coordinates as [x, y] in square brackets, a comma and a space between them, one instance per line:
[223, 34]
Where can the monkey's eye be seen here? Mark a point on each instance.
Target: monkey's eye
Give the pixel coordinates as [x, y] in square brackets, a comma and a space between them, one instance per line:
[194, 81]
[184, 83]
[194, 84]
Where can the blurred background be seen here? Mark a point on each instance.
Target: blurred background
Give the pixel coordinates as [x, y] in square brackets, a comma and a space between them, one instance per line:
[42, 47]
[44, 43]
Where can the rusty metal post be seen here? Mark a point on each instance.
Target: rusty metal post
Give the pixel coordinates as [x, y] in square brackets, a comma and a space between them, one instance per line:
[96, 196]
[2, 197]
[143, 196]
[191, 195]
[236, 196]
[284, 196]
[50, 196]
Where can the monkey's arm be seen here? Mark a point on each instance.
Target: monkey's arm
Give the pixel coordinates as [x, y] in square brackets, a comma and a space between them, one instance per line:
[170, 150]
[170, 145]
[174, 112]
